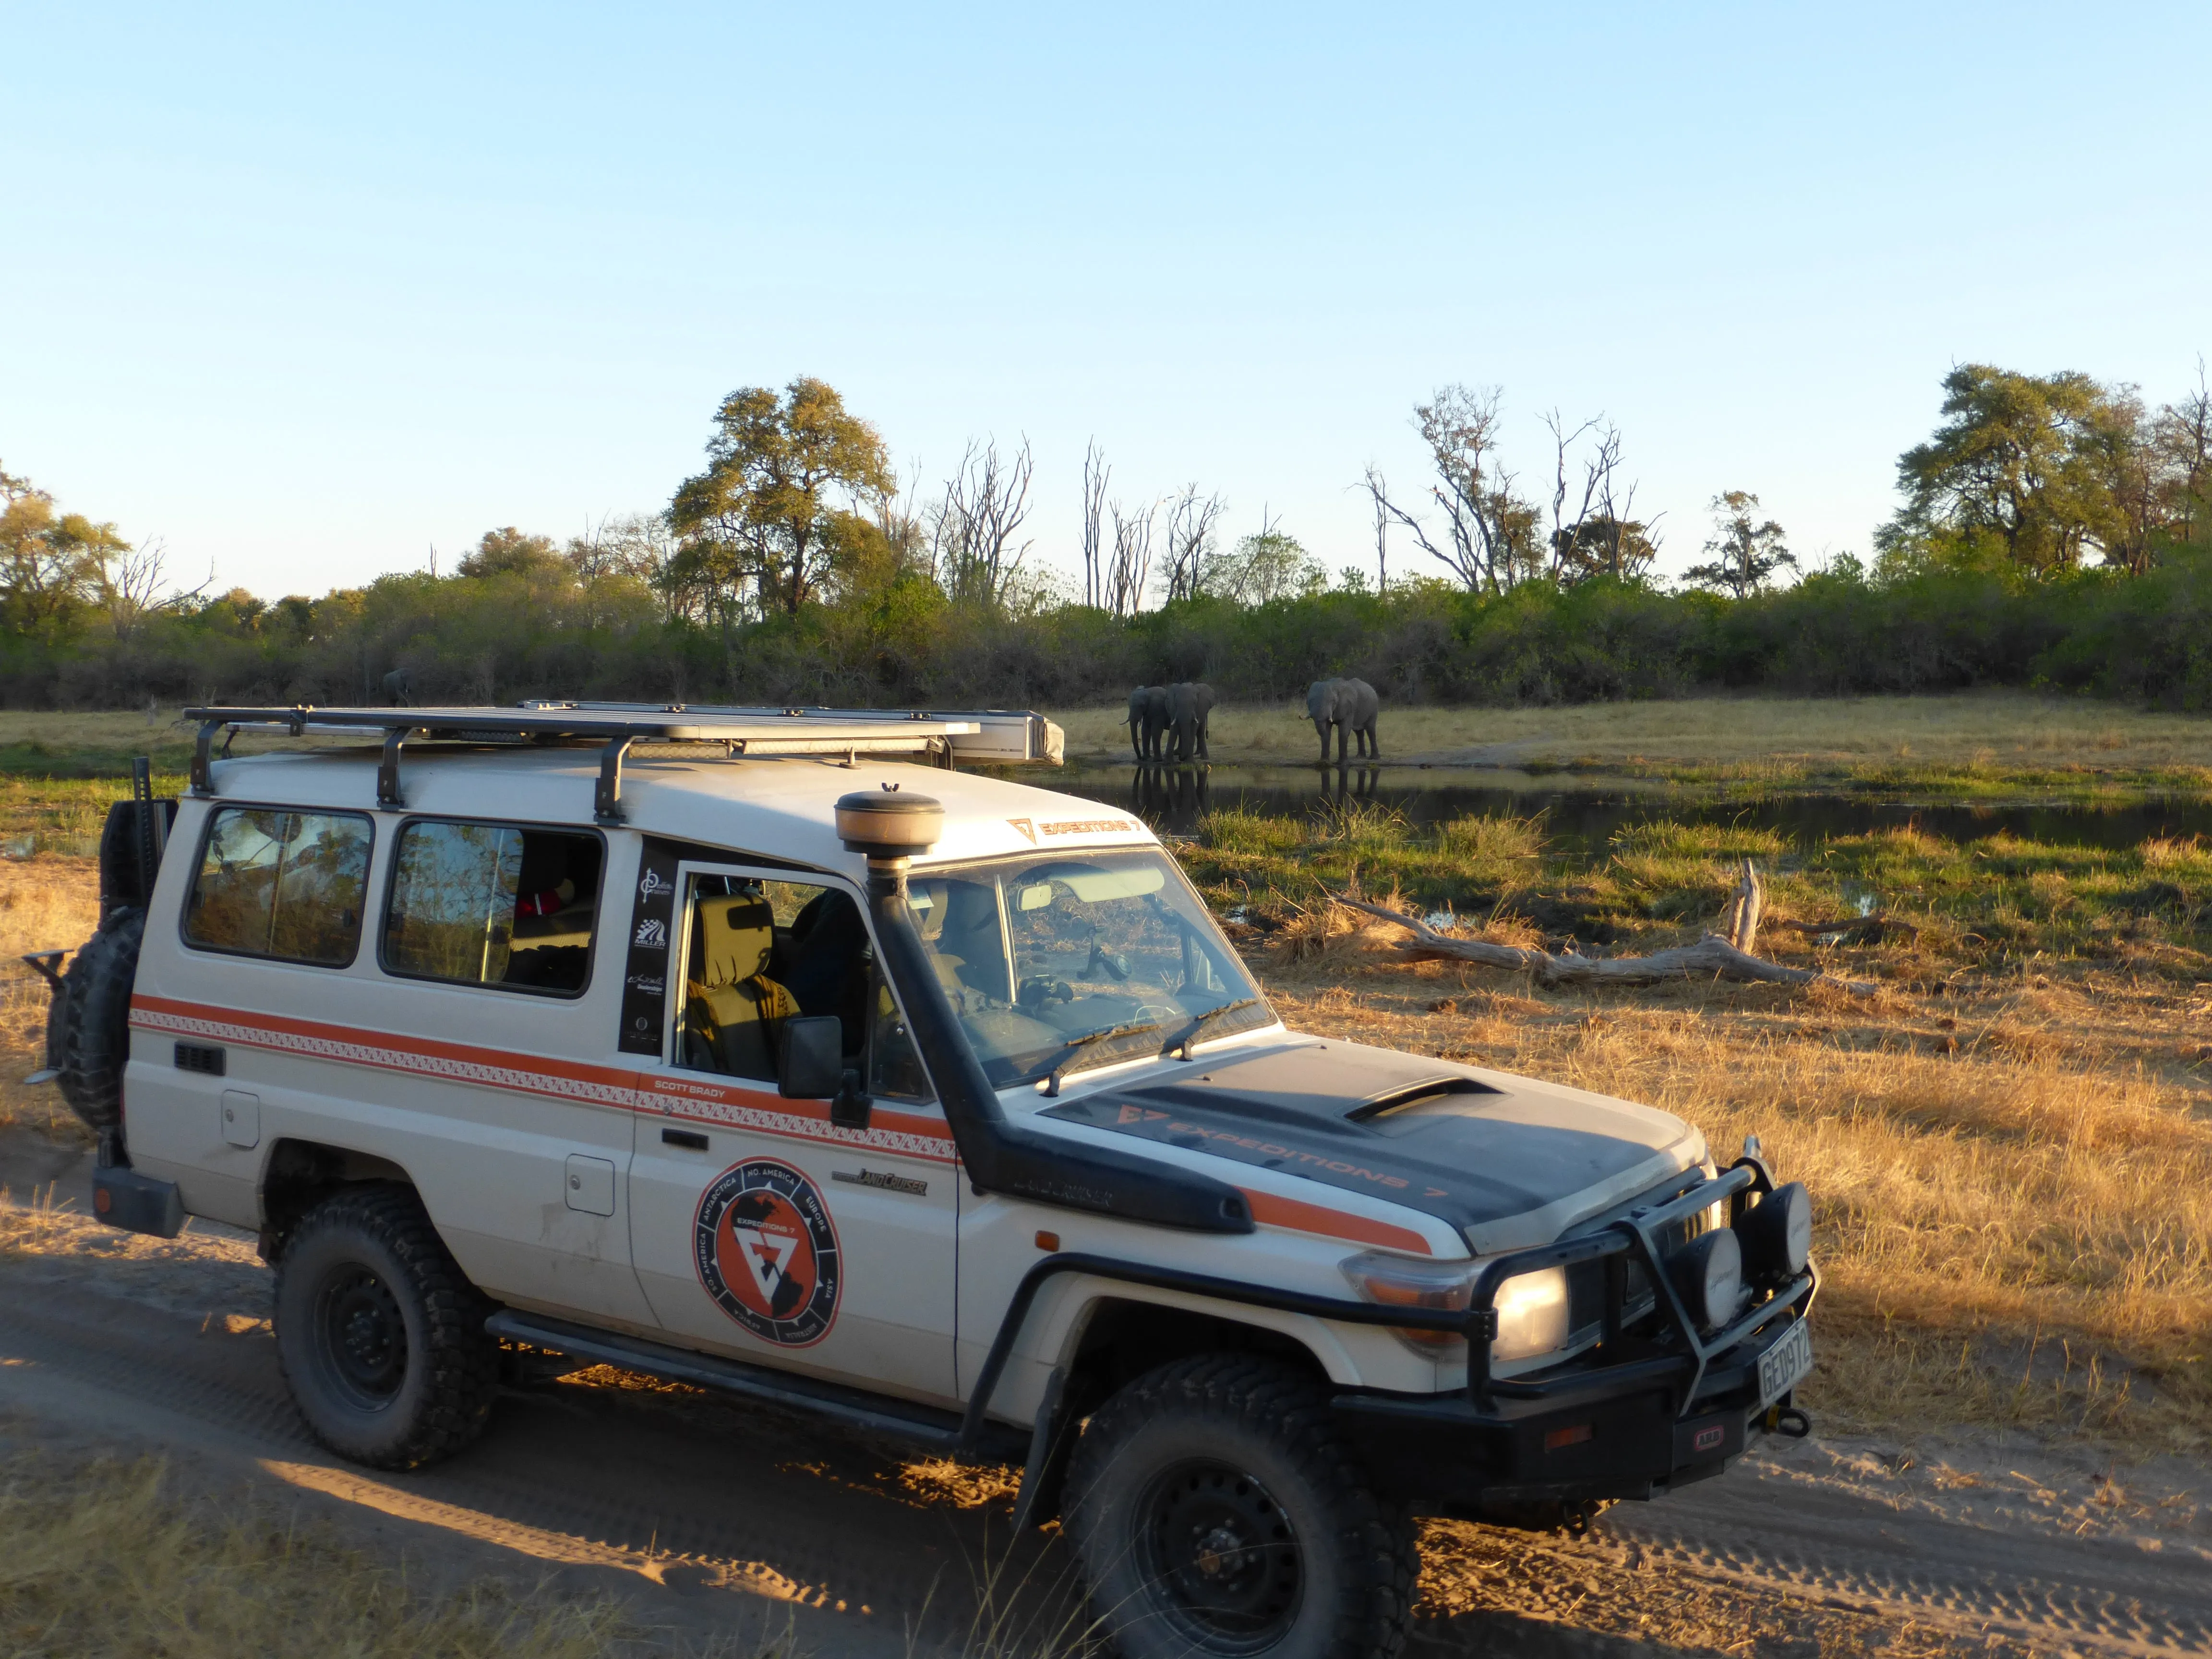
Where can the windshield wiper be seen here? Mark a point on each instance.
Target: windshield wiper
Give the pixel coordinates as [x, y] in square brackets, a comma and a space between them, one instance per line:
[1076, 1045]
[1190, 1034]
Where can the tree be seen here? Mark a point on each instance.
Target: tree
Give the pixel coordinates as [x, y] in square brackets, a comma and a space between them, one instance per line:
[1490, 534]
[1096, 472]
[1599, 538]
[972, 530]
[54, 568]
[1129, 566]
[2182, 436]
[508, 552]
[763, 511]
[131, 586]
[1745, 555]
[1270, 565]
[1191, 519]
[2022, 468]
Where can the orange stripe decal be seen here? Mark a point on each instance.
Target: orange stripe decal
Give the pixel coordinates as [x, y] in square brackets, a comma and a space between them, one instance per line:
[696, 1095]
[1272, 1211]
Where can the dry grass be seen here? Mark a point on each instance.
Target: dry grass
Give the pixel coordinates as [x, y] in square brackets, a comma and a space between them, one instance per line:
[1973, 737]
[111, 1560]
[45, 903]
[2013, 1177]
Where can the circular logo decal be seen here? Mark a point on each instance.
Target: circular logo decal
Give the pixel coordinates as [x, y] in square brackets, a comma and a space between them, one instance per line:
[768, 1254]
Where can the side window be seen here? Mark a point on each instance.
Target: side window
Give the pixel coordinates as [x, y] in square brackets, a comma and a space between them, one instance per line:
[491, 904]
[285, 885]
[763, 953]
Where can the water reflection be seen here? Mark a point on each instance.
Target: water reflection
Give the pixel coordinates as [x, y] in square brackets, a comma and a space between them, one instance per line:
[1166, 794]
[1588, 813]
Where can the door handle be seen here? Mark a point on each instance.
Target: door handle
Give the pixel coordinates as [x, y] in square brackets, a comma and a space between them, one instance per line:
[690, 1139]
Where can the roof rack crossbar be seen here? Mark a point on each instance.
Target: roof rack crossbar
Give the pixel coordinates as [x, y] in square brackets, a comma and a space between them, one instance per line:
[387, 769]
[606, 798]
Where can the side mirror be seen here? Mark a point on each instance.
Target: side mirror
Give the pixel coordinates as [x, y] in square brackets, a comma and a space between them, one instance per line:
[812, 1062]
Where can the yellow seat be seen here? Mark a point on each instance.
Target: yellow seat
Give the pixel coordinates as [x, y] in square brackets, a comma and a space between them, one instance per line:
[734, 1013]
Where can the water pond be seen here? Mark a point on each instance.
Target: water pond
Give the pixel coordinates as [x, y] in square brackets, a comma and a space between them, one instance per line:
[1586, 812]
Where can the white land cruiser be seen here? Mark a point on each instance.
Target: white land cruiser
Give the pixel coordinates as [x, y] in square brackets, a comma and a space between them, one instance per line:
[724, 1045]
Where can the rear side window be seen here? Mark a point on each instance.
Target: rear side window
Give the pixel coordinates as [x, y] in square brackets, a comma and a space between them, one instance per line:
[491, 904]
[285, 885]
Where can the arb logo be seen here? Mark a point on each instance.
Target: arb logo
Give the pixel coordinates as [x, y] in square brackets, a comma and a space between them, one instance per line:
[768, 1254]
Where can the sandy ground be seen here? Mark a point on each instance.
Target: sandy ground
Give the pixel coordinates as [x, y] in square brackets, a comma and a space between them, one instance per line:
[716, 1520]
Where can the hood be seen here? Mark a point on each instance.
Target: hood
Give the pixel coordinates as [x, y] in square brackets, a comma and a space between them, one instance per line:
[1503, 1160]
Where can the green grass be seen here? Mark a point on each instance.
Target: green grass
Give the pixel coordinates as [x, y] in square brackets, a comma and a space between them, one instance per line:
[1983, 902]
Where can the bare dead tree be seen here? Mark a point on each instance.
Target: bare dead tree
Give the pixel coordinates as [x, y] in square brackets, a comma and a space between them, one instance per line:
[1190, 526]
[1131, 565]
[1566, 531]
[973, 527]
[1489, 530]
[1095, 474]
[130, 585]
[1378, 493]
[1601, 536]
[2184, 439]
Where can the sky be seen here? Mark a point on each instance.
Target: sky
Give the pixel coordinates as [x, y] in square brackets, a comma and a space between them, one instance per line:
[306, 292]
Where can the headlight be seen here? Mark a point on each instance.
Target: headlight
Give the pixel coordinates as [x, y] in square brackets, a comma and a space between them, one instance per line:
[1777, 1235]
[1708, 1275]
[1532, 1315]
[1532, 1307]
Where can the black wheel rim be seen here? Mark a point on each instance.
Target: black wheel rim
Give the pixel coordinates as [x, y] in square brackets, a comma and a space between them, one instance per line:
[361, 1336]
[1220, 1557]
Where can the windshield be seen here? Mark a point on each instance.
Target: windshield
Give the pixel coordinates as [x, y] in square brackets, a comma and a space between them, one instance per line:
[1065, 962]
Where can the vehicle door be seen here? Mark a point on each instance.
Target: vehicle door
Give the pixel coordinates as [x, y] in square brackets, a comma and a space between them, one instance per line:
[519, 1143]
[761, 1228]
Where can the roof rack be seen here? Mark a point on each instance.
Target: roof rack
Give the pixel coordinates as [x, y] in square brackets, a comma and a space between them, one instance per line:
[992, 737]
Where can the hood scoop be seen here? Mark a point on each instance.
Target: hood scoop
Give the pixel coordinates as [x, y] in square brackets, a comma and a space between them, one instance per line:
[1420, 1104]
[1419, 1132]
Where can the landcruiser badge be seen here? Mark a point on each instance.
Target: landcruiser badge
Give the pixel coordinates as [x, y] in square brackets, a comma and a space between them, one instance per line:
[768, 1254]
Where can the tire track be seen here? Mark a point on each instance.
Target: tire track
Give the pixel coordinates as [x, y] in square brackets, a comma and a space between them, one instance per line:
[707, 1494]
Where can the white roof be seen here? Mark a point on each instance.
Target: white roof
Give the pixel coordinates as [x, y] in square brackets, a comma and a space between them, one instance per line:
[784, 808]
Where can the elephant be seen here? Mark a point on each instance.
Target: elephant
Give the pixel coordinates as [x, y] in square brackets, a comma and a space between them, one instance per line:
[1190, 706]
[1349, 706]
[398, 689]
[1148, 719]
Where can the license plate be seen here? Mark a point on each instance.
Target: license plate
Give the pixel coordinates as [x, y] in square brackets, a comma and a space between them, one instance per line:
[1785, 1364]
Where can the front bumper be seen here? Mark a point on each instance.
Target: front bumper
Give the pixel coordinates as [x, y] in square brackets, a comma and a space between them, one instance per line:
[1657, 1403]
[1575, 1441]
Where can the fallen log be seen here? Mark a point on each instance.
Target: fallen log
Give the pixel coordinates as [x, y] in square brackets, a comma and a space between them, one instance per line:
[1711, 957]
[1866, 930]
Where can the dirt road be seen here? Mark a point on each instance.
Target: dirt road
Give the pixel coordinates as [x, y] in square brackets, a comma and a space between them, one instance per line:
[712, 1516]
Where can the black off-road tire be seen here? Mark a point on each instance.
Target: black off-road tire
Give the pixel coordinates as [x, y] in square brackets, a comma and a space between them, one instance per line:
[1217, 1511]
[380, 1336]
[88, 1029]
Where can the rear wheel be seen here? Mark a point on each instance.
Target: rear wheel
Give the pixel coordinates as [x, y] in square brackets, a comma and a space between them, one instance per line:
[1217, 1512]
[380, 1336]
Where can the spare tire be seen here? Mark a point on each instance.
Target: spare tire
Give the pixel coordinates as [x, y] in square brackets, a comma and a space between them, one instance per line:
[89, 1031]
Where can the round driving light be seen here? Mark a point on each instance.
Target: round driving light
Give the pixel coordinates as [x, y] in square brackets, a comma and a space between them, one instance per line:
[1708, 1275]
[1777, 1234]
[888, 822]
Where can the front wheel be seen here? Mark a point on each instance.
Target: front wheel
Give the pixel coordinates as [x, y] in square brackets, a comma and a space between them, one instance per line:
[379, 1334]
[1217, 1511]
